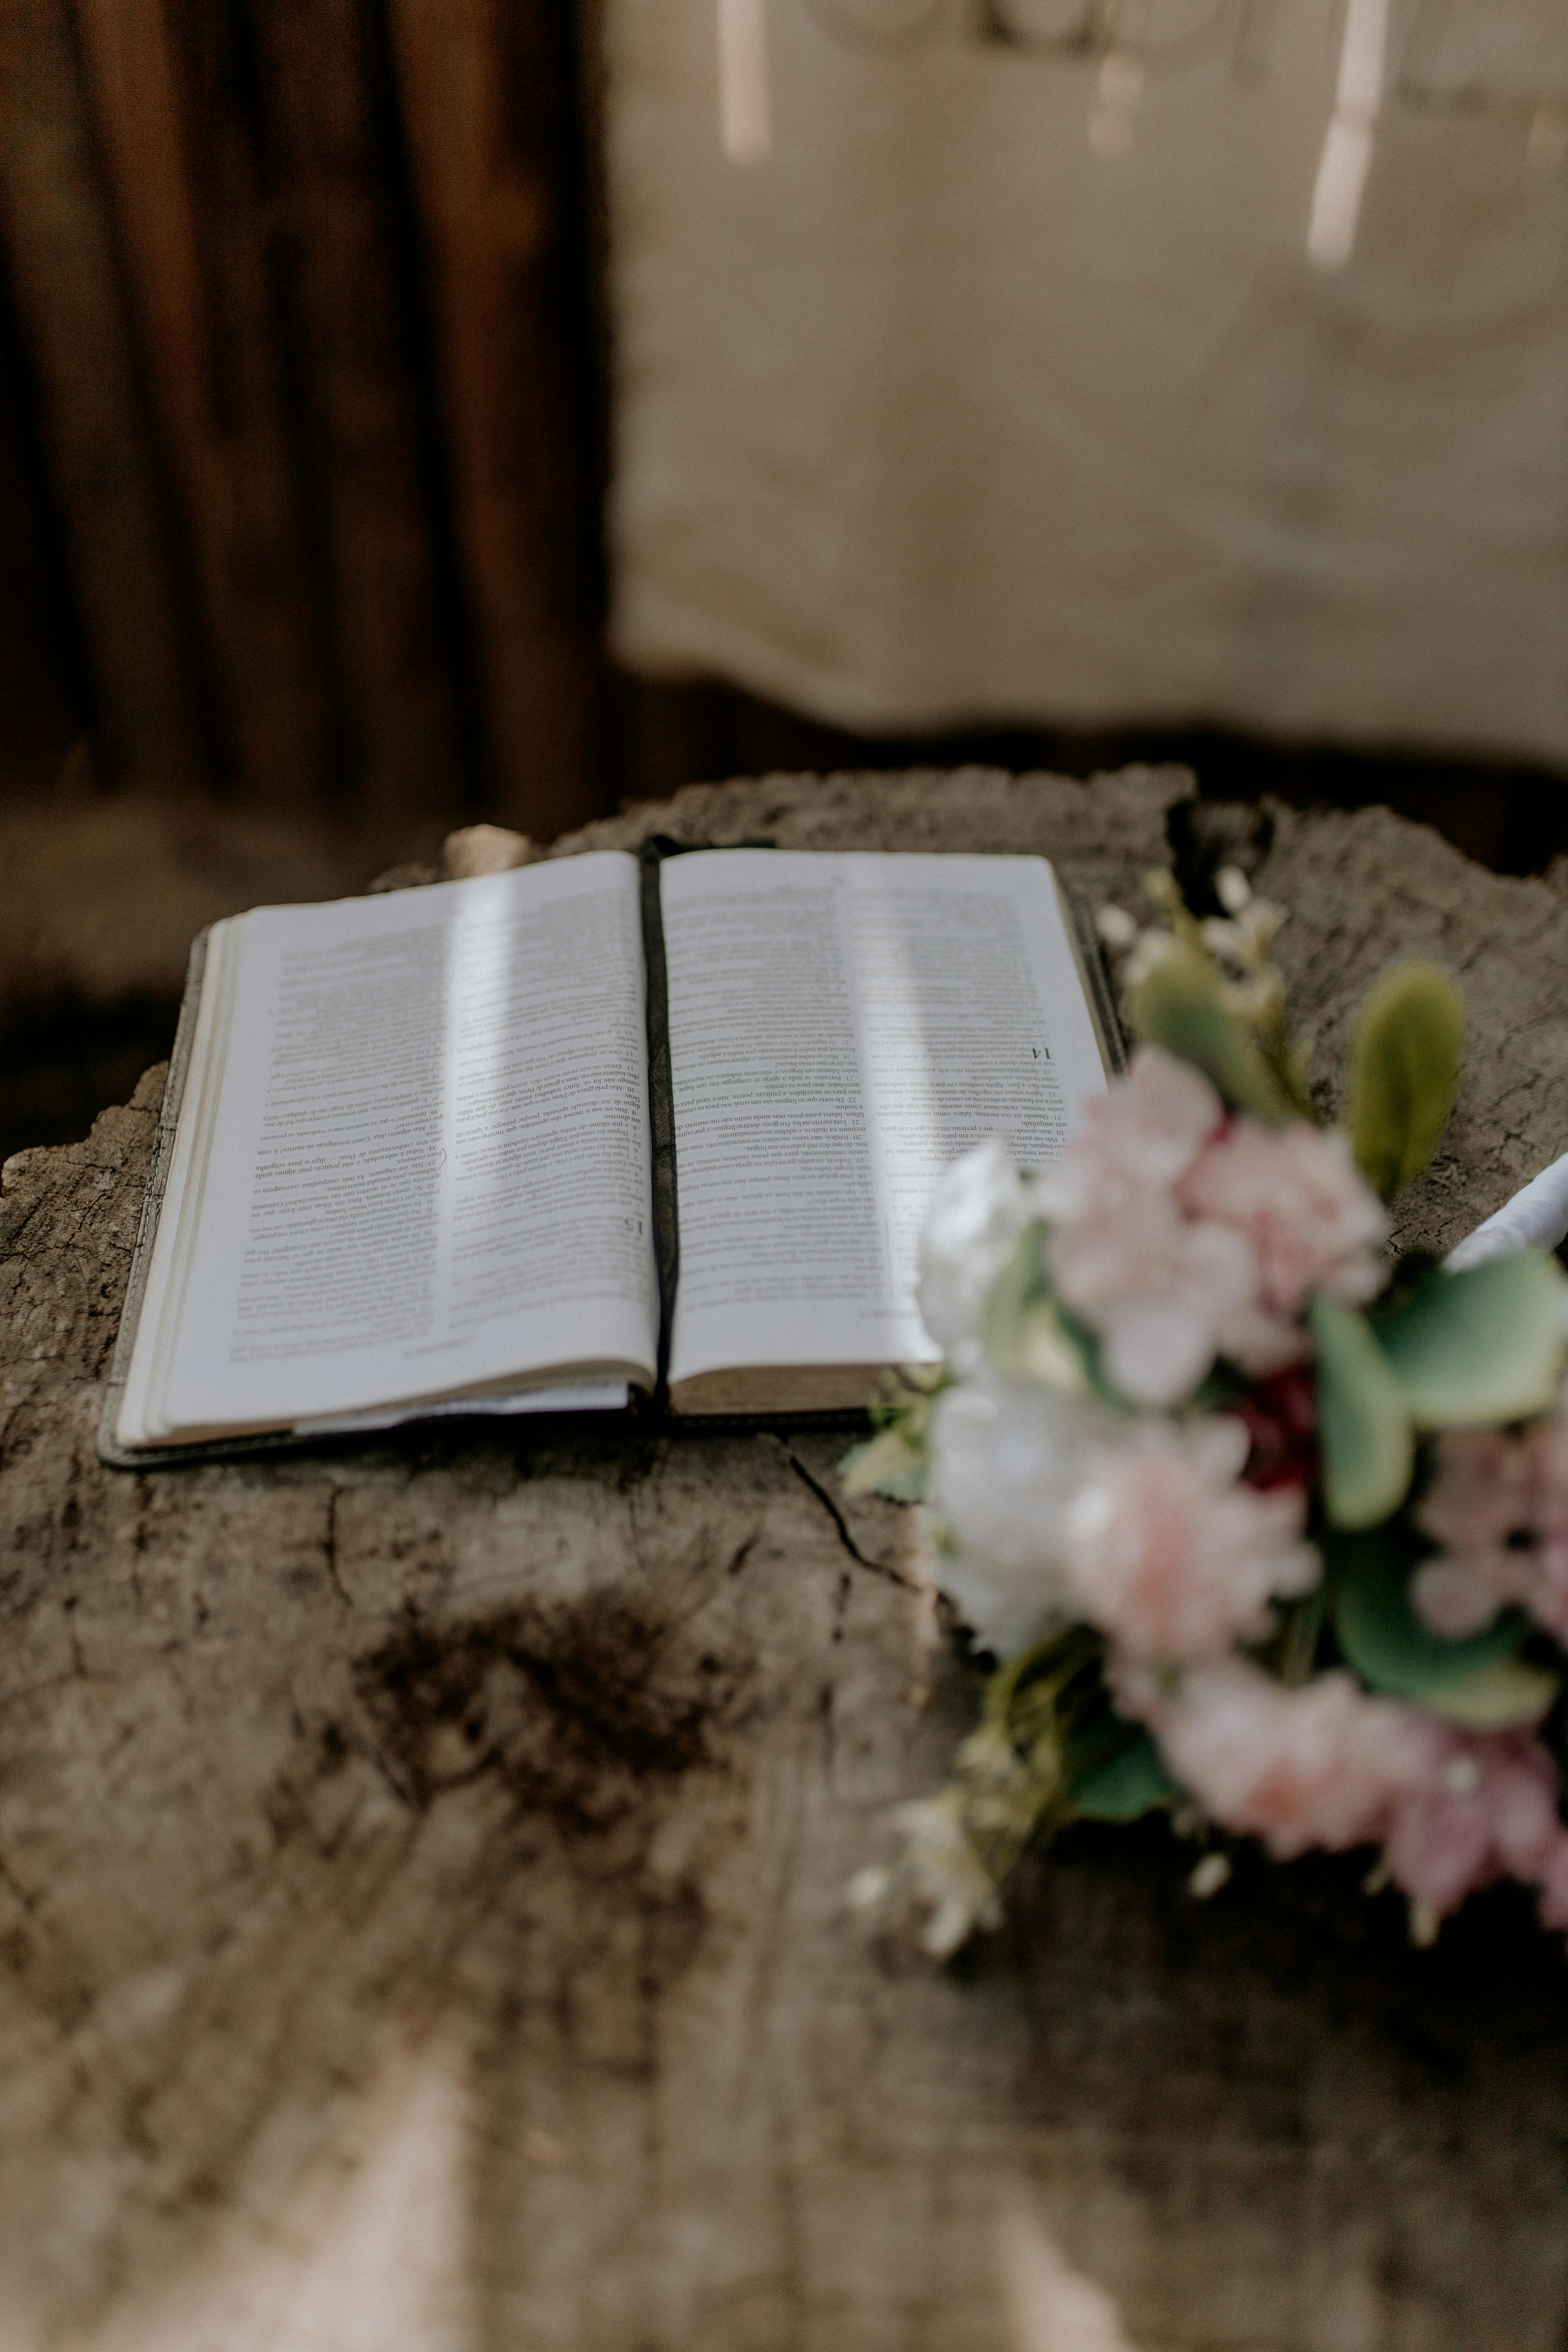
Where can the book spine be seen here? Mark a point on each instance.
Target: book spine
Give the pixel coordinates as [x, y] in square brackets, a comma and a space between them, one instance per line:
[1096, 979]
[661, 1104]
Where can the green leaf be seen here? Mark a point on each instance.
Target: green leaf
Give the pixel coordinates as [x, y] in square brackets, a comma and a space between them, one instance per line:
[885, 1465]
[1177, 1005]
[1130, 1783]
[1364, 1423]
[1386, 1643]
[1024, 1331]
[1014, 1290]
[1498, 1698]
[1482, 1346]
[1404, 1070]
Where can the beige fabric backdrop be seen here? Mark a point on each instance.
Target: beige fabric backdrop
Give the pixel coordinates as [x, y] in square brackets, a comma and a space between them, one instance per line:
[940, 416]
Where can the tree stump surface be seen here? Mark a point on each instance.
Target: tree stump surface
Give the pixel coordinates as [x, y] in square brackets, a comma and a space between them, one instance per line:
[422, 1863]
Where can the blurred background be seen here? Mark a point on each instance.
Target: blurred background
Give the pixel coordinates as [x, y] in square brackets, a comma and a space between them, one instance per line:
[421, 411]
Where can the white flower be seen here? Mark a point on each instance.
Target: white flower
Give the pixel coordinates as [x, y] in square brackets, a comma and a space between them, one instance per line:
[947, 1872]
[1006, 1462]
[980, 1208]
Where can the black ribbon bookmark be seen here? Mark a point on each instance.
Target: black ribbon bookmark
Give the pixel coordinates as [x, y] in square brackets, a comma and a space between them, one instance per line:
[651, 855]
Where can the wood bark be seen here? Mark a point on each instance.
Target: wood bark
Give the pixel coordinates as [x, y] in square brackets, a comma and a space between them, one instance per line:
[421, 1864]
[59, 247]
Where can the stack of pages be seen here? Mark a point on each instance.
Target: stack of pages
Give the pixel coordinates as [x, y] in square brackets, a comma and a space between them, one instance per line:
[605, 1124]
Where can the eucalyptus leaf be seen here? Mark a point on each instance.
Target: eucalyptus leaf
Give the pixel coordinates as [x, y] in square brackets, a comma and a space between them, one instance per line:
[1014, 1290]
[1388, 1644]
[1177, 1005]
[1502, 1696]
[1025, 1333]
[1130, 1783]
[1364, 1421]
[1046, 1352]
[1482, 1346]
[885, 1464]
[1405, 1071]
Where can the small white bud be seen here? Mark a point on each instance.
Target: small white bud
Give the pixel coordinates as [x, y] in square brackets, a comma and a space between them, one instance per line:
[867, 1887]
[1116, 927]
[1209, 1876]
[1232, 889]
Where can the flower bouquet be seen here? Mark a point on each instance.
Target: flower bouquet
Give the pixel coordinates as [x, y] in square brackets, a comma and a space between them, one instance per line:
[1259, 1525]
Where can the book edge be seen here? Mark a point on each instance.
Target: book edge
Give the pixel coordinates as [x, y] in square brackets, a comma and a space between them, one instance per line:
[110, 1451]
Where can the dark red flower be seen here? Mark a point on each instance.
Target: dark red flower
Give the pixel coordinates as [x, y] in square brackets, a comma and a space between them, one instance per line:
[1280, 1415]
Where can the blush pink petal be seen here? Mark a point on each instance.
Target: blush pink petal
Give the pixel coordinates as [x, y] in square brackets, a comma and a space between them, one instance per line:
[1322, 1765]
[1295, 1191]
[1489, 1809]
[1480, 1490]
[1174, 1559]
[1156, 1289]
[1456, 1598]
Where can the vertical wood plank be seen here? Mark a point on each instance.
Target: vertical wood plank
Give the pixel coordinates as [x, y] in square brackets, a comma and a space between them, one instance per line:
[333, 167]
[489, 102]
[76, 330]
[43, 697]
[179, 161]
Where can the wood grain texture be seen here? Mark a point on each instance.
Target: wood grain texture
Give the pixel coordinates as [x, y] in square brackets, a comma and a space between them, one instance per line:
[165, 79]
[346, 271]
[487, 94]
[421, 1867]
[61, 250]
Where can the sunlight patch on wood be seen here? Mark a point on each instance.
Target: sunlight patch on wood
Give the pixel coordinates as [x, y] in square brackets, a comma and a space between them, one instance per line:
[1051, 2306]
[370, 2250]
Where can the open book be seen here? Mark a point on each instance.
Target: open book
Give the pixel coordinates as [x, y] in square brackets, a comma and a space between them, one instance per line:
[601, 1124]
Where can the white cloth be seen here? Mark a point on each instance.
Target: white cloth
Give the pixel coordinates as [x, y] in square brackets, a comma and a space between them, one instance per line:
[940, 416]
[1535, 1218]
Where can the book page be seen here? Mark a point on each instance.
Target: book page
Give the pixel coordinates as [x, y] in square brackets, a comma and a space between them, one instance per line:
[429, 1166]
[842, 1027]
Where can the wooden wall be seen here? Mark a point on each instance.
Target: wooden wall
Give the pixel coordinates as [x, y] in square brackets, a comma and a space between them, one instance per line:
[302, 371]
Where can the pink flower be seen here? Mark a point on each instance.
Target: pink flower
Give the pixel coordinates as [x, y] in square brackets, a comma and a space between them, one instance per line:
[1180, 1234]
[1314, 1221]
[1138, 1137]
[1489, 1807]
[1323, 1764]
[1166, 1552]
[1499, 1506]
[1481, 1492]
[1455, 1597]
[1157, 1291]
[1546, 1451]
[1329, 1764]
